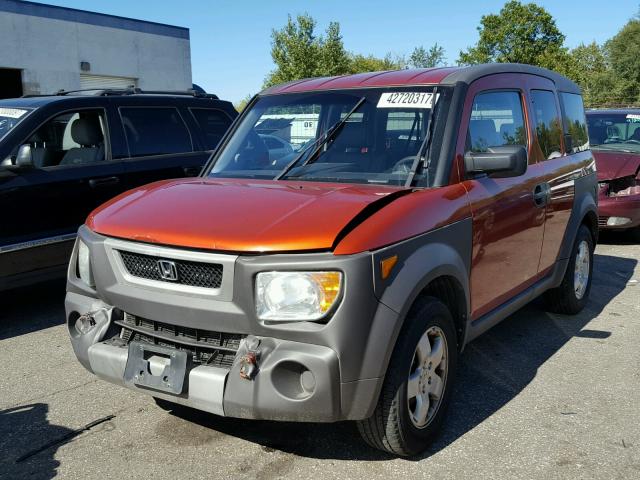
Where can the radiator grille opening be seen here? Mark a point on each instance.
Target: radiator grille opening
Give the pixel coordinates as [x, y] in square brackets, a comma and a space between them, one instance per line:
[206, 347]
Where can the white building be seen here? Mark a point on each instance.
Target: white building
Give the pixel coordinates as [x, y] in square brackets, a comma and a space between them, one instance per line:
[46, 48]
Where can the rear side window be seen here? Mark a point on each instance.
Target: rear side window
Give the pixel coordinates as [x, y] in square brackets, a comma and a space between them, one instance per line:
[496, 120]
[547, 120]
[155, 131]
[213, 123]
[574, 121]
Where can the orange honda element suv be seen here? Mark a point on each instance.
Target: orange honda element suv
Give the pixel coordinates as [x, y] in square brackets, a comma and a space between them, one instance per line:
[341, 277]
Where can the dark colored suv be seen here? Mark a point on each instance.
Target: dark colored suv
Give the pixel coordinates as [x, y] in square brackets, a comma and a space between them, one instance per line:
[63, 155]
[341, 280]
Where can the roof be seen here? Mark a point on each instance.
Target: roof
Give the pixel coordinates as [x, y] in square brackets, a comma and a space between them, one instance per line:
[426, 76]
[29, 102]
[91, 18]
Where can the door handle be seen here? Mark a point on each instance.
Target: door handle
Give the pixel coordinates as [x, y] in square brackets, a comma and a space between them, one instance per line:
[191, 171]
[541, 194]
[103, 182]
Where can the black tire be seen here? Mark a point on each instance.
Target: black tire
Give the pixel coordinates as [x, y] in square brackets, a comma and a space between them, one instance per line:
[634, 234]
[563, 299]
[390, 428]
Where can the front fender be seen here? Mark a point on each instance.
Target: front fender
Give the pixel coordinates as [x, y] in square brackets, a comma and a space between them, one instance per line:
[442, 252]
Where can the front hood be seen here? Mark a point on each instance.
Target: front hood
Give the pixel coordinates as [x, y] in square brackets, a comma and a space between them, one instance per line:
[612, 165]
[236, 215]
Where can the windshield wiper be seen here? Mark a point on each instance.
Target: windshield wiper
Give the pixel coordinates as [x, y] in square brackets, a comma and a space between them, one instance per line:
[420, 158]
[320, 142]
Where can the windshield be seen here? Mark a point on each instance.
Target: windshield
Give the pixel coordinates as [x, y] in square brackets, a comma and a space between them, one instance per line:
[614, 131]
[353, 136]
[10, 117]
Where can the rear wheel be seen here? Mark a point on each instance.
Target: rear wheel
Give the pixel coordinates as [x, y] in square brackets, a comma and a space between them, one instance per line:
[418, 383]
[572, 294]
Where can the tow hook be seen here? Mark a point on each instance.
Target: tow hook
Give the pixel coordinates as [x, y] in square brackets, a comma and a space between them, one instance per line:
[249, 361]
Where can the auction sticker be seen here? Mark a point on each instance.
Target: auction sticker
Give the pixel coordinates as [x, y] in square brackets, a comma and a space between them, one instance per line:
[633, 118]
[12, 112]
[406, 99]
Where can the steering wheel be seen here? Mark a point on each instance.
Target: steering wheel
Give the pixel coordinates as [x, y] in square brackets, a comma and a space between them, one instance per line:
[403, 165]
[631, 140]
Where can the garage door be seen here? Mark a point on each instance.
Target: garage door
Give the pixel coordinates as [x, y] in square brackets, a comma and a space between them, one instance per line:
[102, 81]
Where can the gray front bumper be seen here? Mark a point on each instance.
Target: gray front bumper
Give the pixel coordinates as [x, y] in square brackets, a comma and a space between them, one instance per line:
[276, 392]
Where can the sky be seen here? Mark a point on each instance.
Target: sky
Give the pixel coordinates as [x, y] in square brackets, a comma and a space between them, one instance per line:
[231, 40]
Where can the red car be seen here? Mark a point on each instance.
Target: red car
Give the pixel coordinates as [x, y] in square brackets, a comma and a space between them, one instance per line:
[615, 141]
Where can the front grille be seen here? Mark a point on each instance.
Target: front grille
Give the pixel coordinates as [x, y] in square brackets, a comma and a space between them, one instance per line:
[602, 221]
[206, 347]
[194, 274]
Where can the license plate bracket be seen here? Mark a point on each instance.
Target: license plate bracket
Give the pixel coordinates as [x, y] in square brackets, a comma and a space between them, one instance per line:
[156, 367]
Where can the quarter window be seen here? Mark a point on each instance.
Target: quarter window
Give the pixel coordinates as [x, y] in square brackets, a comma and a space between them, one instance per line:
[574, 121]
[155, 131]
[497, 120]
[547, 119]
[213, 123]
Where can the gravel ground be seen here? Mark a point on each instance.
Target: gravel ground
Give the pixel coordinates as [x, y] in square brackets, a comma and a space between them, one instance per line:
[538, 396]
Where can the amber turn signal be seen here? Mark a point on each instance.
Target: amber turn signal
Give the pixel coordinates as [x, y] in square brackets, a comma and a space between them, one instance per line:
[387, 265]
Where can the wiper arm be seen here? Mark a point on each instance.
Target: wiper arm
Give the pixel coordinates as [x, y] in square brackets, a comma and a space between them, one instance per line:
[420, 159]
[320, 142]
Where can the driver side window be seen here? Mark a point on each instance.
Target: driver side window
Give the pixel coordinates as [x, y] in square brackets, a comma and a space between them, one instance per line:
[497, 120]
[72, 138]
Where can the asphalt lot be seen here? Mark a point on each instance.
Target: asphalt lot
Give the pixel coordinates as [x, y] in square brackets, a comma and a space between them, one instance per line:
[538, 396]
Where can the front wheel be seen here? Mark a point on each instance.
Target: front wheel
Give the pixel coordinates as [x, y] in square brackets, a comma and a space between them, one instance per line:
[418, 383]
[572, 294]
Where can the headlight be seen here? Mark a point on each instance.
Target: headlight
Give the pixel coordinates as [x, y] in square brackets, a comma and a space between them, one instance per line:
[84, 264]
[287, 296]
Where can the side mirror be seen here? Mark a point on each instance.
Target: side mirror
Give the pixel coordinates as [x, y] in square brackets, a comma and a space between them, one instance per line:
[504, 161]
[24, 158]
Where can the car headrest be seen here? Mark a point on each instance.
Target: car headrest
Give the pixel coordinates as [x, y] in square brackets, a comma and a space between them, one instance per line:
[86, 131]
[636, 134]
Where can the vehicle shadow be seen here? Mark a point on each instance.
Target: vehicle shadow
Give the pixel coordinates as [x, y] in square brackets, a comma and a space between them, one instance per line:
[19, 428]
[608, 237]
[492, 371]
[29, 309]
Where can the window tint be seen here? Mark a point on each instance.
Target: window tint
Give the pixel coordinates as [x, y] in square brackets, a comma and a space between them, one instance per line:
[496, 120]
[69, 139]
[155, 131]
[547, 121]
[213, 123]
[574, 121]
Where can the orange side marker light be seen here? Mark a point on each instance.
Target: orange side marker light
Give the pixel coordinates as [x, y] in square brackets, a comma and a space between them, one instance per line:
[387, 265]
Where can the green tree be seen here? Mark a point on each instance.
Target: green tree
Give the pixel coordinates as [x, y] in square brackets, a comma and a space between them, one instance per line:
[368, 63]
[520, 33]
[299, 53]
[623, 52]
[590, 68]
[423, 58]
